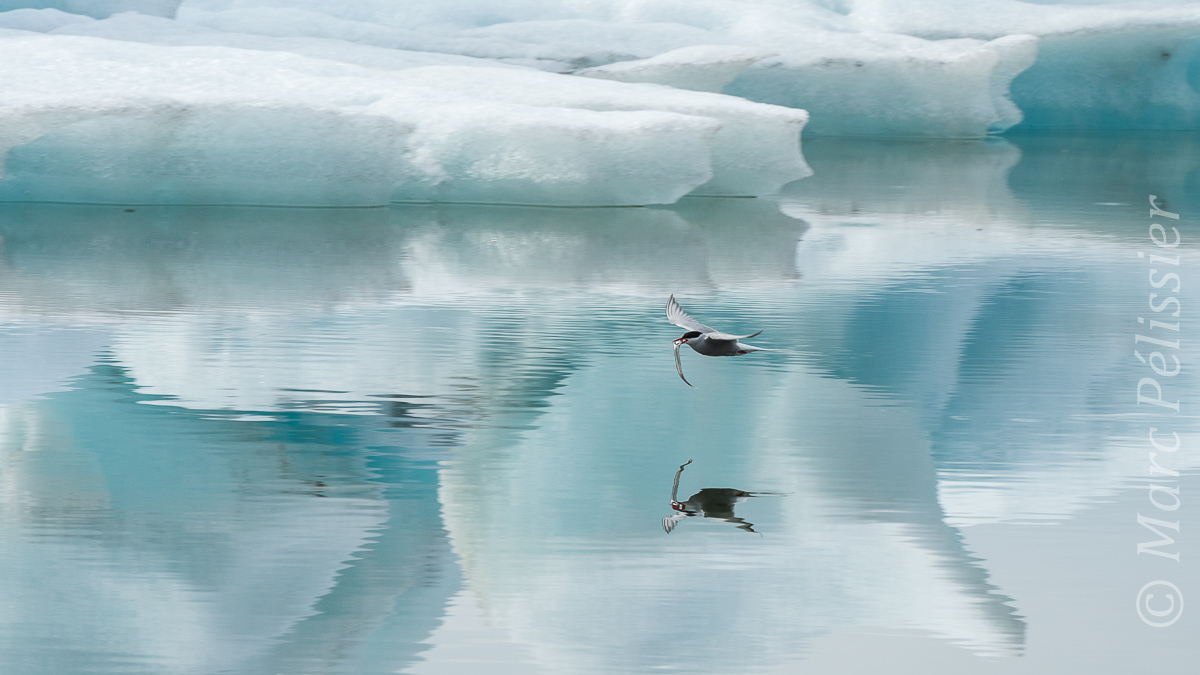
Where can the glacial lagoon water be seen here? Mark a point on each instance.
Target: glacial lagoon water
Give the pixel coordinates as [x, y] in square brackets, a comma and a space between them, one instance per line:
[442, 439]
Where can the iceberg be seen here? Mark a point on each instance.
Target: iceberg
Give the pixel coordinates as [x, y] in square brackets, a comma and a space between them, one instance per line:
[755, 148]
[88, 119]
[606, 103]
[862, 82]
[1100, 66]
[896, 85]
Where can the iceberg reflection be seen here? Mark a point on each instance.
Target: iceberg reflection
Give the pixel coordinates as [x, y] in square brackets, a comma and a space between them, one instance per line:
[176, 541]
[286, 441]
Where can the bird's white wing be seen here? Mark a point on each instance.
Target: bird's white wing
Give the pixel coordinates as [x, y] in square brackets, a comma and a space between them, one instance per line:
[677, 316]
[682, 319]
[717, 335]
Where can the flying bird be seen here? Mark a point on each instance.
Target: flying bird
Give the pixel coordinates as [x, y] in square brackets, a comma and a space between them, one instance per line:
[705, 340]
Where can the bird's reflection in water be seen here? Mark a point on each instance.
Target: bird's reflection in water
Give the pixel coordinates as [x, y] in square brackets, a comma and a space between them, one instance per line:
[711, 503]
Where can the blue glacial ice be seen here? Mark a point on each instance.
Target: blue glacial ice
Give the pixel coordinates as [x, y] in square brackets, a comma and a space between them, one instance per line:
[604, 103]
[1099, 66]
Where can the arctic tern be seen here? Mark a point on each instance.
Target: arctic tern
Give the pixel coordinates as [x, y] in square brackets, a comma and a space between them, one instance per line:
[705, 340]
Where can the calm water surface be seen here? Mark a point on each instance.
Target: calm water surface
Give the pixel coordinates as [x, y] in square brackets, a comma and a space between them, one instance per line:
[443, 439]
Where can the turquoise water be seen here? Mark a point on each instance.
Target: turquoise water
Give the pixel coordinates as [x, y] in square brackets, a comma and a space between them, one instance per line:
[443, 439]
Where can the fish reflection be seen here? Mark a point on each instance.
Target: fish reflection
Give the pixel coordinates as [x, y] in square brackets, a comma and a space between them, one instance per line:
[709, 502]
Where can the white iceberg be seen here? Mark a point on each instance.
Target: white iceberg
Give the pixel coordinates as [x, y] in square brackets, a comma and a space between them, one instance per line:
[118, 121]
[755, 148]
[870, 83]
[313, 103]
[862, 67]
